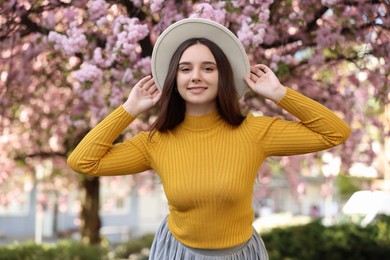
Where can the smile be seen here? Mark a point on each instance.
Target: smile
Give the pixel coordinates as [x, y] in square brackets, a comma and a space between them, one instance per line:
[197, 89]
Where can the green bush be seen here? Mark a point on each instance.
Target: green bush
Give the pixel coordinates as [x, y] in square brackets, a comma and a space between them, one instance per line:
[339, 242]
[134, 246]
[307, 242]
[70, 250]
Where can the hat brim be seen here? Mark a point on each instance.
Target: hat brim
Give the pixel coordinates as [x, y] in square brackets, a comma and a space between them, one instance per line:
[177, 33]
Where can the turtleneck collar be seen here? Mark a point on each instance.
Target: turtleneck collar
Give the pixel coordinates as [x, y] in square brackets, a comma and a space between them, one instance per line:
[202, 122]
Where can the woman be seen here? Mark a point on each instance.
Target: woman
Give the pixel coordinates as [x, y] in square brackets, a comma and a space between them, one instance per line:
[206, 153]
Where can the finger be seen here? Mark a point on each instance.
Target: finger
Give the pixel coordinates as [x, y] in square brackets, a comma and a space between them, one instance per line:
[152, 89]
[156, 97]
[145, 79]
[148, 84]
[155, 92]
[142, 81]
[262, 67]
[254, 77]
[256, 71]
[250, 83]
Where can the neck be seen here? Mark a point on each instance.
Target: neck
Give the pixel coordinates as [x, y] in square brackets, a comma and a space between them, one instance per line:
[200, 110]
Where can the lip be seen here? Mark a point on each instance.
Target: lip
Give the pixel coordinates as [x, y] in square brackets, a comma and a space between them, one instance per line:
[197, 89]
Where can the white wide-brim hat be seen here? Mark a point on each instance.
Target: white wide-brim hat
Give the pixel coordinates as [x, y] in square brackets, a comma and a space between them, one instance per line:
[177, 33]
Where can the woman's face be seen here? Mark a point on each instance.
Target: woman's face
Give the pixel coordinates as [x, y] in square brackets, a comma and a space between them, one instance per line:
[197, 79]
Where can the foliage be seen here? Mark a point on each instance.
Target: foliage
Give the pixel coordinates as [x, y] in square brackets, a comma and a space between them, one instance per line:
[71, 250]
[74, 250]
[339, 242]
[307, 242]
[347, 185]
[134, 246]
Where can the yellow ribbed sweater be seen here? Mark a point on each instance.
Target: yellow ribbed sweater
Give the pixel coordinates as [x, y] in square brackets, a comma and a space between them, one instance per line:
[207, 166]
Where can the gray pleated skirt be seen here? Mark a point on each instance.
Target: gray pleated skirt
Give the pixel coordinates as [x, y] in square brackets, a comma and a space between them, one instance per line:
[166, 247]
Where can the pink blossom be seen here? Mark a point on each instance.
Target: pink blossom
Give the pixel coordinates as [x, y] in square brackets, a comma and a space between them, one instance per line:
[168, 15]
[274, 62]
[270, 35]
[144, 65]
[239, 3]
[128, 32]
[245, 35]
[79, 3]
[71, 14]
[102, 21]
[79, 123]
[98, 58]
[49, 20]
[116, 74]
[264, 15]
[89, 73]
[55, 143]
[57, 38]
[208, 11]
[137, 3]
[329, 2]
[8, 5]
[73, 42]
[116, 97]
[317, 58]
[127, 76]
[258, 36]
[248, 11]
[156, 5]
[328, 37]
[96, 9]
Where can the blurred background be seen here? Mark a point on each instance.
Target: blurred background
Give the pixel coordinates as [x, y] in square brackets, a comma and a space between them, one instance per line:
[65, 64]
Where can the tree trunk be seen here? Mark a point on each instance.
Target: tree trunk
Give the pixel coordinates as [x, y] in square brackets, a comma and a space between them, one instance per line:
[90, 219]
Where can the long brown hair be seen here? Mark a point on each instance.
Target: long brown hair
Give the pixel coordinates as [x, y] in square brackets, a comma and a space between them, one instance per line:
[172, 105]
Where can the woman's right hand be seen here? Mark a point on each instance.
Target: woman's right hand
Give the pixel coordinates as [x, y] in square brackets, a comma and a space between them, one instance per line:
[142, 97]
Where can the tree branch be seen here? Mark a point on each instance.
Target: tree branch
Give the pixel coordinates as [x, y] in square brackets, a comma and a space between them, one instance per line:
[41, 154]
[32, 26]
[310, 26]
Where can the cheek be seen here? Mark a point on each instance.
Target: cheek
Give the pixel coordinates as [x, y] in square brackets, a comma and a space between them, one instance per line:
[213, 78]
[180, 85]
[214, 81]
[215, 93]
[182, 82]
[216, 87]
[179, 80]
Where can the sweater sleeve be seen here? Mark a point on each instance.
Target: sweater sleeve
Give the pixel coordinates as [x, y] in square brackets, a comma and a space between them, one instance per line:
[318, 129]
[97, 155]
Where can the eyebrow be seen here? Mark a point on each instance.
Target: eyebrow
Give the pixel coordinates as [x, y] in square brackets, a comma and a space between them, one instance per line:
[203, 63]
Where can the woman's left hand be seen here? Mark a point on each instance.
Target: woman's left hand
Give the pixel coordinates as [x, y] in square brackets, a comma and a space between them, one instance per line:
[265, 83]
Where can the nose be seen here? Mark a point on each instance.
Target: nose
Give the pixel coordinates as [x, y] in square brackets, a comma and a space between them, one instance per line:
[195, 75]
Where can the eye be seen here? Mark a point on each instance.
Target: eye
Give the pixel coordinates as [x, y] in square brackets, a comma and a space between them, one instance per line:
[208, 69]
[184, 69]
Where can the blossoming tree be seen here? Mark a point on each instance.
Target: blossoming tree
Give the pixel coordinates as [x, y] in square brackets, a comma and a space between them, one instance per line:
[65, 64]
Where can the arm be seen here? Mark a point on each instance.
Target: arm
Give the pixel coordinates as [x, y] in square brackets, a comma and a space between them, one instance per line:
[96, 154]
[318, 129]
